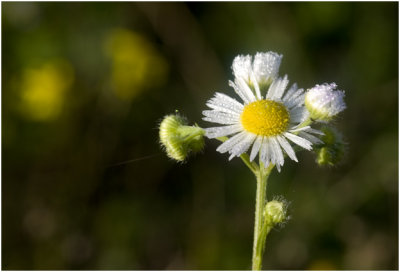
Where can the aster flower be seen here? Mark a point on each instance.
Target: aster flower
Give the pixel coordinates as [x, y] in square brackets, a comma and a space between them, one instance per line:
[265, 123]
[324, 102]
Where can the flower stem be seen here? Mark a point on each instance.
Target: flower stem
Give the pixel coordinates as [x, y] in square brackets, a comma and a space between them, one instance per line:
[251, 165]
[260, 233]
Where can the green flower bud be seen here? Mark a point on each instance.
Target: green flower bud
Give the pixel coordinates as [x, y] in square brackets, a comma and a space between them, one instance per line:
[178, 138]
[333, 149]
[275, 212]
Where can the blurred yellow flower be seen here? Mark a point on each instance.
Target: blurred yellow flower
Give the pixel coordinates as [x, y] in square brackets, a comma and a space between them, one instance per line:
[136, 63]
[43, 89]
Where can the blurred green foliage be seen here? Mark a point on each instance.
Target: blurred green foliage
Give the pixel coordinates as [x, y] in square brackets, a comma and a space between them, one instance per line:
[85, 85]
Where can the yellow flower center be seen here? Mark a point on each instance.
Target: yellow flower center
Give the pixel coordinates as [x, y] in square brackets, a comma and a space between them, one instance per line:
[265, 117]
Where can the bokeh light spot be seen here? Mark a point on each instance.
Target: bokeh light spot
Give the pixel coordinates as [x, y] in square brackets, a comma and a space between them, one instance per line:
[136, 63]
[43, 90]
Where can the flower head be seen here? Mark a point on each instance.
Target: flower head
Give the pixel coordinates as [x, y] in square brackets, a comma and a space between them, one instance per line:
[275, 212]
[265, 123]
[324, 102]
[178, 139]
[264, 69]
[241, 67]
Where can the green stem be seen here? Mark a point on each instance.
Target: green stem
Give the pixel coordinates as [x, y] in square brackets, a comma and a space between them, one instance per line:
[261, 197]
[261, 228]
[251, 165]
[266, 227]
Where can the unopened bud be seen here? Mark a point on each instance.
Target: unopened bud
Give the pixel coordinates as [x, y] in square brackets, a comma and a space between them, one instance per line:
[266, 67]
[275, 212]
[333, 149]
[178, 138]
[324, 102]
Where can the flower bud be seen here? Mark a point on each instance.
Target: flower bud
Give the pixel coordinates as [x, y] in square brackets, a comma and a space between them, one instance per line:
[241, 67]
[324, 102]
[263, 69]
[275, 212]
[266, 67]
[333, 149]
[178, 139]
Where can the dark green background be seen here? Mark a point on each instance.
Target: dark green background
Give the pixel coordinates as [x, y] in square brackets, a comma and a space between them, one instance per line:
[67, 205]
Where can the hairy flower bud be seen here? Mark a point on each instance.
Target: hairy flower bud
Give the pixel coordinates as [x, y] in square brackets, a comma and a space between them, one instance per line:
[178, 139]
[333, 149]
[324, 102]
[275, 212]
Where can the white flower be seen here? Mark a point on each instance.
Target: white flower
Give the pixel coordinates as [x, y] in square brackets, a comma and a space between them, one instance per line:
[324, 102]
[263, 123]
[264, 69]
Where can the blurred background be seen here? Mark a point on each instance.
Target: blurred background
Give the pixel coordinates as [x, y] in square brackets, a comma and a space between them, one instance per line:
[85, 85]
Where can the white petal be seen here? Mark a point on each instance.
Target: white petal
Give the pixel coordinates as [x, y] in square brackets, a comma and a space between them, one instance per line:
[295, 94]
[241, 66]
[278, 167]
[287, 147]
[307, 129]
[278, 151]
[224, 103]
[243, 145]
[256, 148]
[310, 137]
[299, 129]
[290, 92]
[220, 117]
[298, 140]
[245, 89]
[256, 87]
[298, 114]
[271, 153]
[223, 99]
[271, 89]
[264, 152]
[231, 142]
[315, 131]
[282, 86]
[215, 132]
[296, 99]
[216, 113]
[277, 88]
[239, 92]
[222, 108]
